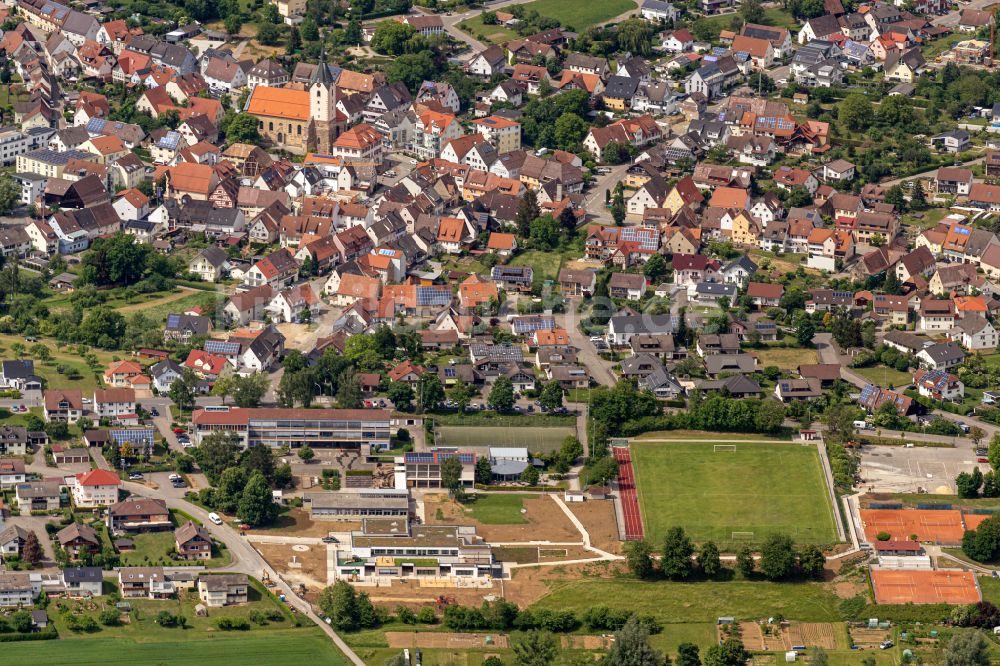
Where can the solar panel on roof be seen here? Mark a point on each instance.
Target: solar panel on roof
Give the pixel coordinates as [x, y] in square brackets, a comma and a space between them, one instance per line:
[173, 320]
[386, 252]
[433, 296]
[222, 347]
[132, 435]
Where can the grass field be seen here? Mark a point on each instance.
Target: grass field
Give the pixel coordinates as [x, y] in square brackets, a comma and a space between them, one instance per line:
[570, 13]
[885, 376]
[759, 488]
[786, 359]
[291, 647]
[544, 264]
[159, 309]
[495, 34]
[700, 601]
[66, 356]
[581, 15]
[499, 509]
[536, 439]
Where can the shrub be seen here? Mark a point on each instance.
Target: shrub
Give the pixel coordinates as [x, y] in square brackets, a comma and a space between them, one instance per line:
[233, 623]
[883, 536]
[258, 617]
[110, 617]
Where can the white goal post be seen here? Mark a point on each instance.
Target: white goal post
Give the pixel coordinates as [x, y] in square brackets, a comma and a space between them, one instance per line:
[742, 536]
[730, 448]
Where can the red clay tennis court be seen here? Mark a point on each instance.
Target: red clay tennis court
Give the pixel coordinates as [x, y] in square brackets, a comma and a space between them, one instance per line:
[943, 527]
[626, 490]
[972, 520]
[925, 587]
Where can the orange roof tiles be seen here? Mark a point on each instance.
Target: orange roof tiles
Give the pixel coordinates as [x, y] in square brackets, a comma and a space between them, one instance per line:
[500, 241]
[729, 197]
[451, 230]
[279, 103]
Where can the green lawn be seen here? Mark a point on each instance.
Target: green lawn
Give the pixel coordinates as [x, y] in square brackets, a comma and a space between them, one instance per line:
[67, 357]
[544, 264]
[580, 16]
[535, 439]
[885, 376]
[700, 601]
[495, 34]
[499, 509]
[159, 309]
[759, 488]
[772, 16]
[292, 647]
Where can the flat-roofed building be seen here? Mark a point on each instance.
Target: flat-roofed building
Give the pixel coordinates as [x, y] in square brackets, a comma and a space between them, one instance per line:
[422, 469]
[394, 548]
[364, 429]
[357, 504]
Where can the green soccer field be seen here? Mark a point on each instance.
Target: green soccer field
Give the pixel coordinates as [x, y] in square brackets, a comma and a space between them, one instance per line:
[752, 491]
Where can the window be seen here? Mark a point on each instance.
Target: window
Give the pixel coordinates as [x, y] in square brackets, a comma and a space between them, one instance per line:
[270, 126]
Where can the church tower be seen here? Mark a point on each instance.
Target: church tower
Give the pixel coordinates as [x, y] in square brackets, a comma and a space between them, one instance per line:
[323, 107]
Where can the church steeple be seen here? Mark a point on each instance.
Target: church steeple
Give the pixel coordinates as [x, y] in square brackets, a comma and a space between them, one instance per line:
[322, 93]
[321, 75]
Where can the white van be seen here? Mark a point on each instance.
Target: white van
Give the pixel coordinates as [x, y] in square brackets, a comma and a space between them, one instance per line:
[861, 425]
[214, 517]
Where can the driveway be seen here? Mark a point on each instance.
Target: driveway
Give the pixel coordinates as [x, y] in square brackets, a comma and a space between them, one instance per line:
[36, 524]
[600, 369]
[593, 202]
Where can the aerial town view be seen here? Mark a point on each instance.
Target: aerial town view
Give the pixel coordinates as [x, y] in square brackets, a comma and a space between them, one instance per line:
[507, 333]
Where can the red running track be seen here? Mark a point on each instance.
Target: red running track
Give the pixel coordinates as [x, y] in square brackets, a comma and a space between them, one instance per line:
[629, 499]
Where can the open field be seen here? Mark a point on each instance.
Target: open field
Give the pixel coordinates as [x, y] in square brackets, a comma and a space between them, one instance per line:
[542, 518]
[784, 358]
[495, 34]
[67, 357]
[759, 488]
[544, 264]
[292, 647]
[177, 302]
[581, 15]
[499, 509]
[700, 601]
[577, 16]
[884, 376]
[536, 439]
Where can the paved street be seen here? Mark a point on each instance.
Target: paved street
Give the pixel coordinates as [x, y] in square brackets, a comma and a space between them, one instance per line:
[594, 201]
[600, 369]
[247, 560]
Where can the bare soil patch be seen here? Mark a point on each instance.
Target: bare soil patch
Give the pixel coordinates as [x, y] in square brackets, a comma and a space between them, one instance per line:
[598, 518]
[312, 569]
[546, 521]
[296, 522]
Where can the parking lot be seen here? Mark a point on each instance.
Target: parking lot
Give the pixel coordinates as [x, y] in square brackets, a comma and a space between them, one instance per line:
[921, 468]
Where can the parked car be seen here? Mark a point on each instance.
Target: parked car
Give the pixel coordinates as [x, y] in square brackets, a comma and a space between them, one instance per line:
[214, 517]
[135, 476]
[178, 431]
[982, 460]
[329, 539]
[154, 411]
